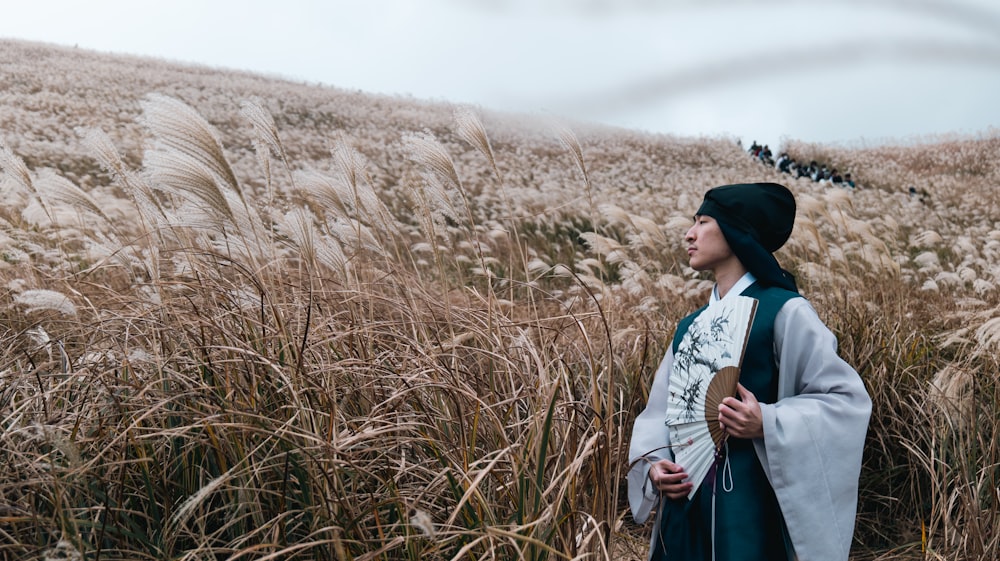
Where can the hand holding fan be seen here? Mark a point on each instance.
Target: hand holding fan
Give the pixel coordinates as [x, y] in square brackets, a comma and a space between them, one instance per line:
[706, 370]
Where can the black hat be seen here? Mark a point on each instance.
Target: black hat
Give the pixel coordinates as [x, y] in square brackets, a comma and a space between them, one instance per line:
[756, 220]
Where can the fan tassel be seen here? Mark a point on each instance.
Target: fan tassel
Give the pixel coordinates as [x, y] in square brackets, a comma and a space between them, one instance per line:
[719, 456]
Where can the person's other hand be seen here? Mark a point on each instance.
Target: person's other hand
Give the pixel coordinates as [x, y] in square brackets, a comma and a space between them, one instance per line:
[741, 417]
[670, 479]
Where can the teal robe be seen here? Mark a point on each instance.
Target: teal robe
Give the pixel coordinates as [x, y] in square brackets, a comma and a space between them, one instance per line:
[735, 514]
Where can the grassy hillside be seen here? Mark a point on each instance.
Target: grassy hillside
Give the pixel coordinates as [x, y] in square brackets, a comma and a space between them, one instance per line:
[245, 318]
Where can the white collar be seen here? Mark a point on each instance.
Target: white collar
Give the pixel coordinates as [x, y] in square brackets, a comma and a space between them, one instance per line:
[745, 281]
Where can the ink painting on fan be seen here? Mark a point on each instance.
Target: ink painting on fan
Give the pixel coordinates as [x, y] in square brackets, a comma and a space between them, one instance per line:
[706, 370]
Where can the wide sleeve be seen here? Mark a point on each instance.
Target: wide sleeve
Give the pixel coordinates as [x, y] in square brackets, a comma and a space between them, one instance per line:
[814, 435]
[649, 443]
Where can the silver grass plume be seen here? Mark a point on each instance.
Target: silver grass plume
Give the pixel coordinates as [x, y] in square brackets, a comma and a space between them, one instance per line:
[423, 522]
[988, 334]
[142, 194]
[190, 180]
[64, 550]
[569, 140]
[352, 168]
[329, 252]
[432, 194]
[471, 129]
[432, 206]
[15, 168]
[263, 124]
[187, 508]
[425, 149]
[339, 197]
[952, 392]
[298, 227]
[244, 242]
[266, 139]
[926, 238]
[351, 232]
[645, 232]
[349, 162]
[60, 189]
[40, 338]
[187, 157]
[42, 299]
[181, 129]
[328, 192]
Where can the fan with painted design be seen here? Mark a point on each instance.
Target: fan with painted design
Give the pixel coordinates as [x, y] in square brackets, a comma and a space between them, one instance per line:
[706, 370]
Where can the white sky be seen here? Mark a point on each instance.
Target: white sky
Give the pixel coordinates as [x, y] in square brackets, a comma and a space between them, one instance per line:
[838, 71]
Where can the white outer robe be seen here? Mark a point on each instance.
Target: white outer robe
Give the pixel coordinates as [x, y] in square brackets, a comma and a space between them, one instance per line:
[813, 437]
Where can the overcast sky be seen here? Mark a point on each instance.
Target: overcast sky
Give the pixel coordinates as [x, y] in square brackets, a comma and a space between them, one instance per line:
[846, 71]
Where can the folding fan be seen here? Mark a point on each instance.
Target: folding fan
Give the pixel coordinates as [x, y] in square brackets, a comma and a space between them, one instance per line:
[706, 370]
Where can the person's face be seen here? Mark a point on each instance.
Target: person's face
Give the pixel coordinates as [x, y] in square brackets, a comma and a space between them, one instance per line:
[707, 248]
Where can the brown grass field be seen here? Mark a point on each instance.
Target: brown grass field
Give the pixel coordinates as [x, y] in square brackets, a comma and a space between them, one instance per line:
[248, 319]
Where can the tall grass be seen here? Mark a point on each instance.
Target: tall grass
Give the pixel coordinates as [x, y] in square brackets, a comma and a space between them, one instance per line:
[238, 396]
[434, 348]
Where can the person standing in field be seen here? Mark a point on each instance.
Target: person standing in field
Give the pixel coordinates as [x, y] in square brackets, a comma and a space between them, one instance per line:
[785, 483]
